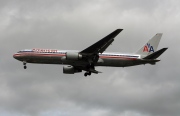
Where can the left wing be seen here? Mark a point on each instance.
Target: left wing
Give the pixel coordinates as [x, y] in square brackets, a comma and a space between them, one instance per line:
[91, 54]
[101, 45]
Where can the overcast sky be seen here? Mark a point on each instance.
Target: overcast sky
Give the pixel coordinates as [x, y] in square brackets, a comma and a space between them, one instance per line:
[44, 90]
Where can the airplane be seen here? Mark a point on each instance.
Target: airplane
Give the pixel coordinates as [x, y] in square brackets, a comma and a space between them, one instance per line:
[94, 55]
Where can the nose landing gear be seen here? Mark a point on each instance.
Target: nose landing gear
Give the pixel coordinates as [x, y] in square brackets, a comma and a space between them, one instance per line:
[24, 63]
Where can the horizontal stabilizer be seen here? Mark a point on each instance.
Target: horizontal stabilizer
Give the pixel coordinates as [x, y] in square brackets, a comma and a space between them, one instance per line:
[156, 54]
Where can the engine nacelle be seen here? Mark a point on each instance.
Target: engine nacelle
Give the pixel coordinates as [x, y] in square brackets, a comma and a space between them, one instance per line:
[73, 56]
[70, 70]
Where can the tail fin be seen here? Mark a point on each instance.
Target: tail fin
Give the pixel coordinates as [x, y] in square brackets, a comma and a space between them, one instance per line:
[151, 46]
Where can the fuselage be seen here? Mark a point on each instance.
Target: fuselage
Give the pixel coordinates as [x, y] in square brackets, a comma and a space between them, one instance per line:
[54, 56]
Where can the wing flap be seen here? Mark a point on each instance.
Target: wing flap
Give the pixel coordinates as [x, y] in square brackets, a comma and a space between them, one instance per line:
[101, 50]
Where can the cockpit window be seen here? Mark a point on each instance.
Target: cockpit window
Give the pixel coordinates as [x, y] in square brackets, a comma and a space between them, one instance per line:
[20, 51]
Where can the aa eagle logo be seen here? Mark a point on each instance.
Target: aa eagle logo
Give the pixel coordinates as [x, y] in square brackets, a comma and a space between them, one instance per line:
[148, 48]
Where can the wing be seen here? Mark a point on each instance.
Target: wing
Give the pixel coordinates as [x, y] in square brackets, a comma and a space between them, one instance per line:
[91, 54]
[101, 45]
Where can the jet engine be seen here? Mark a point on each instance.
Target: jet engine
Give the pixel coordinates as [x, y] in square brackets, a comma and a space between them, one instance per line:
[73, 56]
[70, 70]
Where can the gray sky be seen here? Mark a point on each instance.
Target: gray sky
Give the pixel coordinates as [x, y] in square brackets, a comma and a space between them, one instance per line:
[43, 90]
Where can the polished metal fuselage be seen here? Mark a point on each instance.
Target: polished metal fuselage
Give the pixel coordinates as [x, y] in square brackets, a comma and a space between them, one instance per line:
[105, 59]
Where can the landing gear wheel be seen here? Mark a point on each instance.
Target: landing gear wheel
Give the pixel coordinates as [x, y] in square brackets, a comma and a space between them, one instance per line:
[89, 73]
[25, 67]
[85, 74]
[24, 63]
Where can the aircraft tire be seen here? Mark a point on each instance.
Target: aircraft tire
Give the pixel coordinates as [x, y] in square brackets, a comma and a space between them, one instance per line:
[85, 74]
[89, 73]
[25, 67]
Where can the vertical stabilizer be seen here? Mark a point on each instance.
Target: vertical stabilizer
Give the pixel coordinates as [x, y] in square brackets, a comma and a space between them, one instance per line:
[151, 46]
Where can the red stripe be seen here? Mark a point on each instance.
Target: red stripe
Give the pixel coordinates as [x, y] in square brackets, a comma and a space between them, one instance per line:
[118, 57]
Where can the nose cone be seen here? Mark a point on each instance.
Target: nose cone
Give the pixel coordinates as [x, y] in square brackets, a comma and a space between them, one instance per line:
[18, 56]
[15, 56]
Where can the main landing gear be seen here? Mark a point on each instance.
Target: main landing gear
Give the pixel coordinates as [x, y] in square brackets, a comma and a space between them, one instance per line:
[24, 63]
[89, 67]
[87, 73]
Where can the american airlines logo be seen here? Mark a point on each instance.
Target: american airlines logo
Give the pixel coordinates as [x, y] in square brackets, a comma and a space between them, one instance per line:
[148, 48]
[45, 50]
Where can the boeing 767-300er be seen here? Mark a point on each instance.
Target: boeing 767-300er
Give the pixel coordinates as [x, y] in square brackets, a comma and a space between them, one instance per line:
[93, 56]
